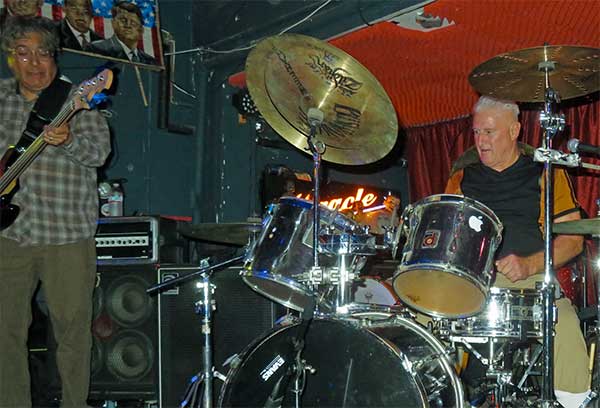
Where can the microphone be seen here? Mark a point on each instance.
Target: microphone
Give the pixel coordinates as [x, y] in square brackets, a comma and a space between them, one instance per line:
[575, 146]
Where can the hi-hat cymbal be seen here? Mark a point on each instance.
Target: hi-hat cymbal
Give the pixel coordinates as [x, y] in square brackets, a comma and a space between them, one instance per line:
[236, 233]
[289, 74]
[519, 75]
[589, 226]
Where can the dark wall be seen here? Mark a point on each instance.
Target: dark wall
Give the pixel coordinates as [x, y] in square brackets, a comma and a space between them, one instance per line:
[158, 165]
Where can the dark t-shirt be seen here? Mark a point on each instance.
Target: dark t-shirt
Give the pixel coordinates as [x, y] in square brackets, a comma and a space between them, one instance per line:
[514, 196]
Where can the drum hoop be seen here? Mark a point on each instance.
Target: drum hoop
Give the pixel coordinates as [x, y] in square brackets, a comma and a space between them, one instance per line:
[332, 215]
[279, 279]
[350, 310]
[445, 267]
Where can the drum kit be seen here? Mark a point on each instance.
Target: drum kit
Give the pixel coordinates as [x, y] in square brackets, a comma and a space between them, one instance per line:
[356, 341]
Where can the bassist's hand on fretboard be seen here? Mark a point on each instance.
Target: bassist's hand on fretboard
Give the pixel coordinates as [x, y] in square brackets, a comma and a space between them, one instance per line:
[58, 135]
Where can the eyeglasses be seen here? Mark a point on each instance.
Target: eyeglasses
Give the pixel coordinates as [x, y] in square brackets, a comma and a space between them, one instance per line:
[25, 54]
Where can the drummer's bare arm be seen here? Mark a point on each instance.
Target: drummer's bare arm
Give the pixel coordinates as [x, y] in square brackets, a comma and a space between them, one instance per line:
[566, 247]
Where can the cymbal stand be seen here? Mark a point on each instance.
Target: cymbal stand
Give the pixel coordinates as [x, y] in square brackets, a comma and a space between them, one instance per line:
[299, 367]
[315, 118]
[205, 307]
[551, 124]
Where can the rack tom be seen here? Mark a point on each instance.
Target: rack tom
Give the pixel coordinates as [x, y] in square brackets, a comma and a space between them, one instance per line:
[278, 264]
[447, 262]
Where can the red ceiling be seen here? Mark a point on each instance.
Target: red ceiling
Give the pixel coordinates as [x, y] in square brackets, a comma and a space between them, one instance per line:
[426, 73]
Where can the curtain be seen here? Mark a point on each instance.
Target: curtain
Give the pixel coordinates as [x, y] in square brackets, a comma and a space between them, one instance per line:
[431, 150]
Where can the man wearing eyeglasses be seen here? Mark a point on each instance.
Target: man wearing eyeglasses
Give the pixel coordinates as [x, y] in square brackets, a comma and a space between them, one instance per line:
[52, 240]
[127, 23]
[75, 31]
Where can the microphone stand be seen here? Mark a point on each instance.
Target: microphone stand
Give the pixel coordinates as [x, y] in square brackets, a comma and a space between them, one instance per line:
[204, 307]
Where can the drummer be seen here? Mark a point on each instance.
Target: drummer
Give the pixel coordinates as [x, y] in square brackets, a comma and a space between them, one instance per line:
[500, 173]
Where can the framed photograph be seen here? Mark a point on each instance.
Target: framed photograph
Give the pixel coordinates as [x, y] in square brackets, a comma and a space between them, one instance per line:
[121, 30]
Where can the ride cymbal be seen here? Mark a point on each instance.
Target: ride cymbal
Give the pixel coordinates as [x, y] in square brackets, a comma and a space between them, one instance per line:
[289, 74]
[589, 226]
[520, 75]
[236, 233]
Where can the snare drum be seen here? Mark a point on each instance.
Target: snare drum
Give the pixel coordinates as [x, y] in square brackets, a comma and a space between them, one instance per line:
[447, 261]
[509, 313]
[277, 265]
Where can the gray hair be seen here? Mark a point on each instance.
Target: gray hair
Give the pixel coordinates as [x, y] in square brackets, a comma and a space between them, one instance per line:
[488, 102]
[18, 27]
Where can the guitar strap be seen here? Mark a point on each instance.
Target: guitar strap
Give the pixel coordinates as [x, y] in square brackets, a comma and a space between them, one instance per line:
[47, 106]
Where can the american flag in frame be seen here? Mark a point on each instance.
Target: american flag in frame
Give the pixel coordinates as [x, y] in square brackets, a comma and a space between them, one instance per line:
[149, 45]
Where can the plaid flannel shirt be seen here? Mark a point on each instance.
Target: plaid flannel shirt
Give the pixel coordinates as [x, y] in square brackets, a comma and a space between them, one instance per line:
[58, 192]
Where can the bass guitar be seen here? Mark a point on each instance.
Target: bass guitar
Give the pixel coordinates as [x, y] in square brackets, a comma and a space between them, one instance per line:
[14, 162]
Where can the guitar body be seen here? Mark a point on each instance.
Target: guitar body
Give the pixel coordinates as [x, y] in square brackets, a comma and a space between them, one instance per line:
[8, 211]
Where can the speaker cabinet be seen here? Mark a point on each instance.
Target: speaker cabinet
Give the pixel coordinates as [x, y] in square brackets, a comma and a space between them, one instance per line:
[241, 316]
[125, 326]
[146, 348]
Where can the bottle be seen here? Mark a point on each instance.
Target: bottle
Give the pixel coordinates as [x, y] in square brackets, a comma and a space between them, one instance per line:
[115, 201]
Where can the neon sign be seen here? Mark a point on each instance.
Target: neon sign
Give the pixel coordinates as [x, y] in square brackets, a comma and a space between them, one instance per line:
[347, 202]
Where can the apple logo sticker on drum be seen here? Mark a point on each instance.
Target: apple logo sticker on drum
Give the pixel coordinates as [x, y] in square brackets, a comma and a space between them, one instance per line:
[475, 223]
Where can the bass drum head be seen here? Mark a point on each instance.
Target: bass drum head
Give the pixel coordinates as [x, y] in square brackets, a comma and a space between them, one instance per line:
[354, 367]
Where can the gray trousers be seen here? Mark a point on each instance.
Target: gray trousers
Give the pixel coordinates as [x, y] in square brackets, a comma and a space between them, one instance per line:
[67, 274]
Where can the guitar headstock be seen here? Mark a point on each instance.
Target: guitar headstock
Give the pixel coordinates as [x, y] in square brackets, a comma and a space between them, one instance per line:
[88, 93]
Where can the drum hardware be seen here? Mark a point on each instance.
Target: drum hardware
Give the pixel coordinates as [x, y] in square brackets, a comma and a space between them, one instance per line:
[508, 367]
[346, 247]
[205, 307]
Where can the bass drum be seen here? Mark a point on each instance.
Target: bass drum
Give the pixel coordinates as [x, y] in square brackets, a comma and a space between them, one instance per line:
[358, 361]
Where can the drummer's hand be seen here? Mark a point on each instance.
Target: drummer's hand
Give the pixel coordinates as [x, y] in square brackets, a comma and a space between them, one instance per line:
[391, 203]
[514, 267]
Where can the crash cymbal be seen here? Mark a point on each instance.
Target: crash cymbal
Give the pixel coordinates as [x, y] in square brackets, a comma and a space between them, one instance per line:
[289, 74]
[519, 75]
[578, 227]
[236, 233]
